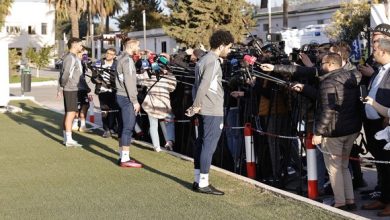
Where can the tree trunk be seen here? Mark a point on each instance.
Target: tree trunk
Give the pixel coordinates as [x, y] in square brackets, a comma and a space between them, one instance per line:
[74, 19]
[37, 72]
[285, 13]
[107, 25]
[264, 4]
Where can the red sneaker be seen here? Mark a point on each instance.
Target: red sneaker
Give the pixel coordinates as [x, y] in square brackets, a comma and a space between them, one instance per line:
[130, 164]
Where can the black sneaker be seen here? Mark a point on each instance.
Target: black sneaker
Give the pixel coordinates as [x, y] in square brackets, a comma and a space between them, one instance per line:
[195, 186]
[351, 207]
[209, 190]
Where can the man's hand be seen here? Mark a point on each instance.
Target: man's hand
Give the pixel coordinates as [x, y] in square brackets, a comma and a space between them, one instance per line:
[59, 94]
[306, 60]
[189, 51]
[366, 70]
[297, 87]
[137, 107]
[368, 100]
[236, 94]
[316, 140]
[267, 67]
[191, 111]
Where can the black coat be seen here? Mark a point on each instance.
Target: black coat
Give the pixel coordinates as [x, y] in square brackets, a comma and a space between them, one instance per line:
[339, 107]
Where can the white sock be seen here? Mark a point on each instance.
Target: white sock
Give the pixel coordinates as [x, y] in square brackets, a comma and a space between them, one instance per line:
[64, 135]
[196, 175]
[75, 123]
[68, 136]
[204, 180]
[125, 156]
[82, 123]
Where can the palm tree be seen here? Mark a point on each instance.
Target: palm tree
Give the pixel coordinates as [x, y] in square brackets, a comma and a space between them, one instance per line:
[285, 13]
[70, 9]
[5, 7]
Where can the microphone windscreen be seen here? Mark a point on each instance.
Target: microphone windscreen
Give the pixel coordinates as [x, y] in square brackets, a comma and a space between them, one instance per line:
[155, 67]
[234, 62]
[250, 59]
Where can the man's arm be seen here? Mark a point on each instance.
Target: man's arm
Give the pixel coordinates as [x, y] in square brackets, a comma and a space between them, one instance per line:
[207, 72]
[328, 98]
[130, 78]
[67, 67]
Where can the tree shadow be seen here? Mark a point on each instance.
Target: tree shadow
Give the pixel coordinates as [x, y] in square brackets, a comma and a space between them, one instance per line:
[45, 126]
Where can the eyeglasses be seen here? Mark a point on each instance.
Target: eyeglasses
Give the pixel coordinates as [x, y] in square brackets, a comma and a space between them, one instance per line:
[112, 54]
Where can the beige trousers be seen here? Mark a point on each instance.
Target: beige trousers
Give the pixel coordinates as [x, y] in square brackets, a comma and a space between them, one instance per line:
[337, 166]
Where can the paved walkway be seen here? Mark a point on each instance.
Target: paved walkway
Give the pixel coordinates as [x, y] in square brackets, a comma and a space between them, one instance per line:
[46, 95]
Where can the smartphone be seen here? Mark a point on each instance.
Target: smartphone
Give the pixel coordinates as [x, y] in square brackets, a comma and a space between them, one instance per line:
[363, 91]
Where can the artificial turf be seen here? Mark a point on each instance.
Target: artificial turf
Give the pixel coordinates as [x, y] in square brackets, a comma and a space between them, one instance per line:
[42, 179]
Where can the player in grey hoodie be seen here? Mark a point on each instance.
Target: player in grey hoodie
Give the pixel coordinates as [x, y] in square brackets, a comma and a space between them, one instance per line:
[208, 103]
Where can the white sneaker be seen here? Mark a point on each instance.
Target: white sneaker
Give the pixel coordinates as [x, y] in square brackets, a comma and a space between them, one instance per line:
[75, 127]
[157, 149]
[72, 143]
[169, 145]
[387, 147]
[383, 134]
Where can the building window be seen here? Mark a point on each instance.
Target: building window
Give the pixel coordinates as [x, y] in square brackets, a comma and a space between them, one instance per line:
[163, 47]
[13, 30]
[44, 28]
[320, 21]
[31, 30]
[265, 27]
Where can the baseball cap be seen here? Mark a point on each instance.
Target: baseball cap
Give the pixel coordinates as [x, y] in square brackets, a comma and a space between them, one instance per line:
[382, 28]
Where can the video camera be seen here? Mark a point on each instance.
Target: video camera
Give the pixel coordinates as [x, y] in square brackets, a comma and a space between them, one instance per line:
[311, 50]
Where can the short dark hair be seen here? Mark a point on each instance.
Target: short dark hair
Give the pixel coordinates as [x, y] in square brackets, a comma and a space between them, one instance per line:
[111, 49]
[334, 58]
[221, 37]
[72, 41]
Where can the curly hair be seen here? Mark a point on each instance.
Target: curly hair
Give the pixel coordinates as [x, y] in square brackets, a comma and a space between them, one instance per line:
[221, 37]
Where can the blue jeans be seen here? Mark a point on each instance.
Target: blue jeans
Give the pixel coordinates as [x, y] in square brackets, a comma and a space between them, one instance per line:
[126, 128]
[233, 136]
[170, 128]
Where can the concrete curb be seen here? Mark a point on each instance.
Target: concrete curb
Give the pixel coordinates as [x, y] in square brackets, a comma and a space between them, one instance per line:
[239, 177]
[36, 84]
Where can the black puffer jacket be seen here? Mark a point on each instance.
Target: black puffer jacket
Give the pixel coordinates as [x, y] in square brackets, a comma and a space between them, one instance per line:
[339, 112]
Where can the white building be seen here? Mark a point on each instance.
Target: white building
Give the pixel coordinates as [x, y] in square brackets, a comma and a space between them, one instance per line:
[299, 16]
[156, 40]
[31, 23]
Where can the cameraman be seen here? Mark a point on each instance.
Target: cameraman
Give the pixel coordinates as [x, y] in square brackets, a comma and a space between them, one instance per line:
[307, 72]
[105, 89]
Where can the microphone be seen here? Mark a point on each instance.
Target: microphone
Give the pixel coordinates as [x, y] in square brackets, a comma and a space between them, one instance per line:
[251, 60]
[145, 64]
[234, 62]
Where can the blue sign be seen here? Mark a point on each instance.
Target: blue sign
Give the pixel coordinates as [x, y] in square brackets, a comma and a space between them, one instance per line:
[355, 51]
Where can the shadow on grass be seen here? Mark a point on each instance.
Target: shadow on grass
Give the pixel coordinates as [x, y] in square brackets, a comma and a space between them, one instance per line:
[45, 126]
[48, 123]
